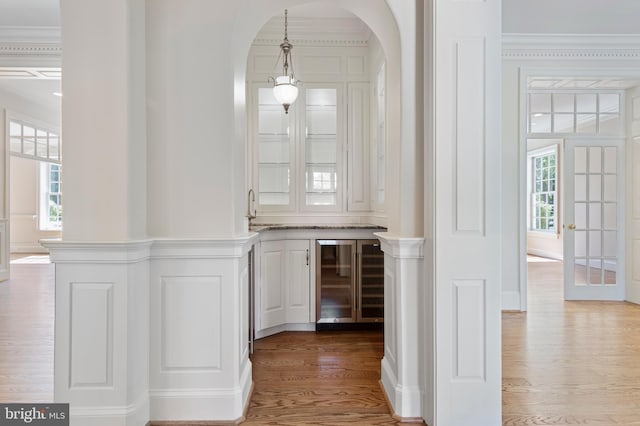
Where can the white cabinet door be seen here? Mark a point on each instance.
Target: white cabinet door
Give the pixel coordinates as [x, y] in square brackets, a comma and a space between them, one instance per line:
[358, 143]
[297, 270]
[284, 283]
[272, 284]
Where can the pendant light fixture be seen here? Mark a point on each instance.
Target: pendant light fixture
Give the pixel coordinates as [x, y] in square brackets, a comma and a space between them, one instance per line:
[285, 86]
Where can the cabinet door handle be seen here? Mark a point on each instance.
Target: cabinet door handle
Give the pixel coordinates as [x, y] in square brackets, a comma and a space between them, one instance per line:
[307, 257]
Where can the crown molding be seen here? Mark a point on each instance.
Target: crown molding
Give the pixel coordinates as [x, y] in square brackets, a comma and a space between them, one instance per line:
[17, 34]
[30, 49]
[571, 46]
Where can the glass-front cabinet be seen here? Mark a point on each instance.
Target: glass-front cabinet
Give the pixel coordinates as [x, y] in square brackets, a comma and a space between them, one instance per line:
[349, 281]
[299, 157]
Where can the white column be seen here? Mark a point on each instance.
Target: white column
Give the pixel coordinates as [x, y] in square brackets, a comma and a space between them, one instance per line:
[101, 331]
[462, 220]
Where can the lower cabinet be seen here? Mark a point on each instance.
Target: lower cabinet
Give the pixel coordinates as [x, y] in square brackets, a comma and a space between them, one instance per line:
[284, 283]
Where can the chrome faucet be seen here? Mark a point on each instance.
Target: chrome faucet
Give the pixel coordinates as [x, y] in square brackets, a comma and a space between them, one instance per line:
[251, 198]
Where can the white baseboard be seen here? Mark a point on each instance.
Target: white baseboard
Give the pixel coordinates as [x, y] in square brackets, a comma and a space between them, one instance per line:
[310, 326]
[132, 415]
[511, 300]
[544, 253]
[220, 405]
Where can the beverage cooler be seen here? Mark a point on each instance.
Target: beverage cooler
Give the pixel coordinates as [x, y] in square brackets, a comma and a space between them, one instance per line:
[349, 281]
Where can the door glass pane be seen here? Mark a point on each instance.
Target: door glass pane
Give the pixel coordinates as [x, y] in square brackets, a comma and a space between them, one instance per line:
[595, 187]
[580, 215]
[610, 243]
[610, 188]
[595, 160]
[580, 272]
[610, 266]
[595, 271]
[595, 215]
[610, 216]
[610, 160]
[580, 246]
[595, 244]
[580, 187]
[580, 160]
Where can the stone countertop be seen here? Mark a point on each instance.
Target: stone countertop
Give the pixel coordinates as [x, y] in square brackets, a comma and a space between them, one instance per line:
[274, 227]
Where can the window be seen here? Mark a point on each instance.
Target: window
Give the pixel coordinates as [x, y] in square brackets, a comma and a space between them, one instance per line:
[50, 196]
[585, 113]
[543, 186]
[27, 140]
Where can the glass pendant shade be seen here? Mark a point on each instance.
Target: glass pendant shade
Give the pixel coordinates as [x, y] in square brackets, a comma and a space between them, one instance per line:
[285, 90]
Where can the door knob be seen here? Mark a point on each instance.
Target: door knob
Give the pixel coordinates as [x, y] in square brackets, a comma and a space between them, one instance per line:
[572, 226]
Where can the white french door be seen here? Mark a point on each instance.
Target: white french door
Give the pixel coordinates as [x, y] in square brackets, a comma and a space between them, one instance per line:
[594, 220]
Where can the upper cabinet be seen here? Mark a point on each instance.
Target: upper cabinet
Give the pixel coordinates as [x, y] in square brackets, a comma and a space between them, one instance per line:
[324, 156]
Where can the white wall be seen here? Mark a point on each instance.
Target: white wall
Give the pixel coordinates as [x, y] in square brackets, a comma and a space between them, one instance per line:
[633, 197]
[522, 57]
[570, 16]
[24, 207]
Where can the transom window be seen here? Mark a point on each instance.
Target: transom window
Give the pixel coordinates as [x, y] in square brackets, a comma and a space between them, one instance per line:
[589, 113]
[28, 140]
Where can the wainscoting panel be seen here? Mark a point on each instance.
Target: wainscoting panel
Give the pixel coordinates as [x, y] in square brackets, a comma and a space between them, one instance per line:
[469, 168]
[191, 322]
[469, 323]
[91, 321]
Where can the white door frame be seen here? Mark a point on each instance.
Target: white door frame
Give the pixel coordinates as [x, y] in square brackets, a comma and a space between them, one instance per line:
[542, 71]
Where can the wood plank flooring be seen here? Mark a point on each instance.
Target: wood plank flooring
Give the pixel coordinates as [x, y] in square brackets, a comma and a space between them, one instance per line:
[568, 363]
[26, 333]
[564, 363]
[324, 378]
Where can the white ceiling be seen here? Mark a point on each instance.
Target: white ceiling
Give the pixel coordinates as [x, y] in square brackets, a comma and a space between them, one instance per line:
[30, 13]
[38, 91]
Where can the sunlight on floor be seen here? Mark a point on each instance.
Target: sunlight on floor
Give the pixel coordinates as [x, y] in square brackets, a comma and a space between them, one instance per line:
[531, 258]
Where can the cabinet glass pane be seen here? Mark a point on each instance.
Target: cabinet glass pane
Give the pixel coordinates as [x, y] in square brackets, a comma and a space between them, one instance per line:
[274, 184]
[274, 149]
[336, 282]
[274, 144]
[321, 147]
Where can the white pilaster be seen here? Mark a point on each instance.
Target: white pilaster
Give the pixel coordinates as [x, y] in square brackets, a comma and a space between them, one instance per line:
[101, 331]
[199, 354]
[403, 326]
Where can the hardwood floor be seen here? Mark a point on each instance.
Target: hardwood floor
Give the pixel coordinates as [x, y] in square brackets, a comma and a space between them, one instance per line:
[26, 332]
[563, 362]
[324, 378]
[567, 363]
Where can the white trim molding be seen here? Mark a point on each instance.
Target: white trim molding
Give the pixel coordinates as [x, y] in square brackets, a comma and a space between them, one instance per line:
[571, 46]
